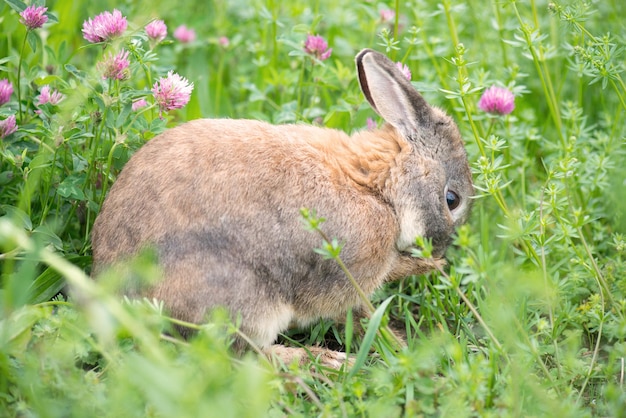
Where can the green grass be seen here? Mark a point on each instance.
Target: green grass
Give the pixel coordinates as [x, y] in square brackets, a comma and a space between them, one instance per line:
[529, 318]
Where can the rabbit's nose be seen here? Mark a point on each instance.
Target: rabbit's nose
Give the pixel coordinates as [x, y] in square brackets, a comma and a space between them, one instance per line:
[439, 250]
[441, 237]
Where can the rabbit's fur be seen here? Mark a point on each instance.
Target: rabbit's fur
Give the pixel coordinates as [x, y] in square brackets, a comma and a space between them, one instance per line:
[220, 201]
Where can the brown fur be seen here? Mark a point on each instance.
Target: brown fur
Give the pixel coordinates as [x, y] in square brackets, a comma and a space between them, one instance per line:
[220, 200]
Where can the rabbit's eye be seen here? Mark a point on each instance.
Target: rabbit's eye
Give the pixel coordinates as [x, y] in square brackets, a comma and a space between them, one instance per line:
[452, 199]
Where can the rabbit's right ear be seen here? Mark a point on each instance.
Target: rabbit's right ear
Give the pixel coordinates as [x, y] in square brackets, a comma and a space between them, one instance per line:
[390, 94]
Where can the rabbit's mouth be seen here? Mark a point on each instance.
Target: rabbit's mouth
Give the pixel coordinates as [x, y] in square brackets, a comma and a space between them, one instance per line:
[436, 254]
[425, 248]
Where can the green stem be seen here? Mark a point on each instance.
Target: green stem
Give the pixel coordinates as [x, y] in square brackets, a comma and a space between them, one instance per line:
[544, 75]
[396, 23]
[544, 271]
[95, 145]
[92, 170]
[505, 60]
[137, 114]
[617, 90]
[532, 348]
[453, 32]
[148, 74]
[218, 85]
[471, 307]
[357, 287]
[594, 357]
[300, 88]
[19, 78]
[105, 178]
[533, 7]
[470, 119]
[46, 191]
[274, 33]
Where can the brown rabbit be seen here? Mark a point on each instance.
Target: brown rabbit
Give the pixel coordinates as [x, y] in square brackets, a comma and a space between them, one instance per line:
[220, 201]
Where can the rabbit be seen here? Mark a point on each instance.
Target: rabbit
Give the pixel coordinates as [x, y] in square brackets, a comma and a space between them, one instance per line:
[219, 200]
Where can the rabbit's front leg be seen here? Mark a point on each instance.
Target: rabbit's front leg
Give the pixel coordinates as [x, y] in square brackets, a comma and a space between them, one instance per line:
[406, 265]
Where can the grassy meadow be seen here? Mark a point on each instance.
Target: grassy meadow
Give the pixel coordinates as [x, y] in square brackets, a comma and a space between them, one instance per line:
[529, 317]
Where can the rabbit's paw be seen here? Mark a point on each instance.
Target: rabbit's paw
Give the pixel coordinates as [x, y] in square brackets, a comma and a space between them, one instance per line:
[303, 356]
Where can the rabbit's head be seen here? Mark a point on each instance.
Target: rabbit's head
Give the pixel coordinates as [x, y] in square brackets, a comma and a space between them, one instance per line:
[432, 184]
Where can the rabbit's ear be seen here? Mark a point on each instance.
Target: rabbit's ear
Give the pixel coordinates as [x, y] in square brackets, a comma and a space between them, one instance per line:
[390, 93]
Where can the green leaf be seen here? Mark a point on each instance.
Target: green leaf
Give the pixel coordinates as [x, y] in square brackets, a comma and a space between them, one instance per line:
[100, 103]
[50, 282]
[16, 5]
[32, 40]
[49, 79]
[44, 234]
[71, 187]
[18, 216]
[75, 71]
[370, 334]
[349, 330]
[109, 118]
[158, 125]
[40, 161]
[16, 330]
[123, 116]
[45, 286]
[6, 177]
[51, 18]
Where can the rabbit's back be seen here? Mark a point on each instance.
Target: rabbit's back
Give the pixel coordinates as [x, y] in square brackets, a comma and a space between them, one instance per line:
[231, 175]
[220, 200]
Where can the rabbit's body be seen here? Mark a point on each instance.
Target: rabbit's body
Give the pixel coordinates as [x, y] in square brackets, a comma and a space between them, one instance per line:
[221, 231]
[220, 201]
